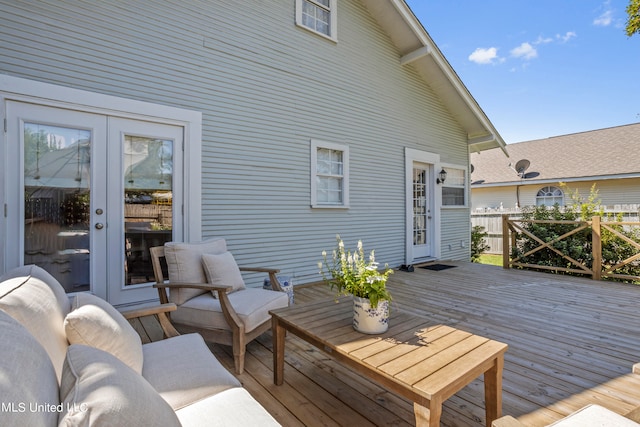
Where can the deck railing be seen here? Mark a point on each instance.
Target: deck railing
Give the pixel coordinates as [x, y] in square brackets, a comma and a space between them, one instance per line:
[515, 229]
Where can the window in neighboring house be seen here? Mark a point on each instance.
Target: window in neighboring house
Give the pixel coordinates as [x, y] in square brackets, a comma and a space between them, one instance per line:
[550, 196]
[454, 187]
[318, 16]
[329, 175]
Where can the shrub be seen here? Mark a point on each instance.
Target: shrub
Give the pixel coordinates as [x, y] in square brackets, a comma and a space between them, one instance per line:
[478, 243]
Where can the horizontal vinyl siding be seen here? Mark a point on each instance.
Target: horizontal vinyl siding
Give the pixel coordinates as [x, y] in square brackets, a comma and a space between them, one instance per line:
[265, 88]
[456, 235]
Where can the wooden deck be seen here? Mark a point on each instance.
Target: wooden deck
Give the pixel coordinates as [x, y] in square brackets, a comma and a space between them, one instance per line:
[571, 342]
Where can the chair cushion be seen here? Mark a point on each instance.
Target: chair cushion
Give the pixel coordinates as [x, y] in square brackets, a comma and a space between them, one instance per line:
[252, 306]
[222, 270]
[594, 415]
[231, 408]
[96, 323]
[184, 265]
[40, 307]
[183, 370]
[97, 389]
[27, 378]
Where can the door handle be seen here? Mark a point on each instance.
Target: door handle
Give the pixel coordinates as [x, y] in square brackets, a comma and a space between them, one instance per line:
[99, 226]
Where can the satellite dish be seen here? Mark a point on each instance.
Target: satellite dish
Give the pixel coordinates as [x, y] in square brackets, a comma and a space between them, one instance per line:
[522, 166]
[471, 168]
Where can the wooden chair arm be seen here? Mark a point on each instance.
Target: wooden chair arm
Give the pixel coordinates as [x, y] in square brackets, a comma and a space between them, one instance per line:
[260, 269]
[273, 279]
[161, 312]
[148, 311]
[203, 286]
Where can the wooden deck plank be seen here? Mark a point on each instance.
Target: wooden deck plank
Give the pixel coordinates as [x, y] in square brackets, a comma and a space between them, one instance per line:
[572, 341]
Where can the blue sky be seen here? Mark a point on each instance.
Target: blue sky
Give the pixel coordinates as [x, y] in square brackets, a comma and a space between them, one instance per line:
[540, 68]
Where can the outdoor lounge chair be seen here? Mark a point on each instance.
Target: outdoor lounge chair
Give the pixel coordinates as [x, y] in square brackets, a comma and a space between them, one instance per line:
[207, 287]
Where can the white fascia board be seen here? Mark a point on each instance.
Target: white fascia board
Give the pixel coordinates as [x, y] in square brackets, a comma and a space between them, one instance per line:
[419, 31]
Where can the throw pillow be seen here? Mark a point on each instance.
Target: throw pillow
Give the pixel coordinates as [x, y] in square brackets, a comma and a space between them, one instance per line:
[184, 264]
[28, 385]
[99, 390]
[222, 270]
[96, 323]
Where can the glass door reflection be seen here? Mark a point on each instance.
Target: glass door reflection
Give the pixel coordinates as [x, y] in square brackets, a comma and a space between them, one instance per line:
[148, 202]
[57, 200]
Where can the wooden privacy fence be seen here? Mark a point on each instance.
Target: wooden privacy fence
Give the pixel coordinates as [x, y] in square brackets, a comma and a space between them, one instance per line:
[513, 229]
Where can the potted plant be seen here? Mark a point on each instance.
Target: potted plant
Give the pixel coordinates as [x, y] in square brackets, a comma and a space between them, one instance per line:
[351, 273]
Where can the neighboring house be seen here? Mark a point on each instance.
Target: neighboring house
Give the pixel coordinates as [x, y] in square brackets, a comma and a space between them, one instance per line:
[608, 158]
[274, 124]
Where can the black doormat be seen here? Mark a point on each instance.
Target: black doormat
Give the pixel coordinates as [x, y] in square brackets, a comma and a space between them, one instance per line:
[437, 267]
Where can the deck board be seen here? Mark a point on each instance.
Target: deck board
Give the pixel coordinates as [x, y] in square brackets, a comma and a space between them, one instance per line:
[572, 341]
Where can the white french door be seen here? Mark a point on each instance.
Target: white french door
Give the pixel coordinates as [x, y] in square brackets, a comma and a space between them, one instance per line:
[422, 215]
[423, 201]
[86, 194]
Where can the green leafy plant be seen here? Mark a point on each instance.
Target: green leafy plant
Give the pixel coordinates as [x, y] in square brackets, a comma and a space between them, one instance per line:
[351, 273]
[478, 244]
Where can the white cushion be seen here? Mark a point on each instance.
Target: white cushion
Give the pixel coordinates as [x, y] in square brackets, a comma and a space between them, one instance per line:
[184, 264]
[97, 389]
[252, 306]
[42, 274]
[222, 270]
[27, 378]
[96, 323]
[183, 370]
[38, 306]
[231, 408]
[596, 416]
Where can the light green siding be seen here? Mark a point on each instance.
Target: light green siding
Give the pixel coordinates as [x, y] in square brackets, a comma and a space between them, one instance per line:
[265, 88]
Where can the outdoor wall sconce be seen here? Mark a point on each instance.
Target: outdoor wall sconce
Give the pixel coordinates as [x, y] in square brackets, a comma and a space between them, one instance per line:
[441, 176]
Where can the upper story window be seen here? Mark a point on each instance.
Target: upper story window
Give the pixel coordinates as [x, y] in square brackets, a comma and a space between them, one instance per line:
[329, 175]
[454, 188]
[318, 16]
[550, 196]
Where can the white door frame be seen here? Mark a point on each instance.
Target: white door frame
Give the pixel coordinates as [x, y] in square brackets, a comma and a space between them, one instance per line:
[434, 192]
[45, 94]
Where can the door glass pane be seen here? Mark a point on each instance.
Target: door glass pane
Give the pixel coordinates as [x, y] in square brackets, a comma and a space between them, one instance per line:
[57, 163]
[419, 207]
[148, 202]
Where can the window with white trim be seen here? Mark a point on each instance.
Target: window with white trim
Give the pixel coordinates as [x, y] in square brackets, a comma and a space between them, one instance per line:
[329, 175]
[550, 196]
[454, 188]
[318, 16]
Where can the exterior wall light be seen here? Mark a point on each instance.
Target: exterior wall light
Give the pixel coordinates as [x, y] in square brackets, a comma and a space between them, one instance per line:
[441, 176]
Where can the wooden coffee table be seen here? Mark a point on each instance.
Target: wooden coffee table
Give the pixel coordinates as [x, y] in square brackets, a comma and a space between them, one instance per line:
[416, 358]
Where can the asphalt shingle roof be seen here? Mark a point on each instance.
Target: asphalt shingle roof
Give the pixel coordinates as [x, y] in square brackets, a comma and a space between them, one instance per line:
[599, 153]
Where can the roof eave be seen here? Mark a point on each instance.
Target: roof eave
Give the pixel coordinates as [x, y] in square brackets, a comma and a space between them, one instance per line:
[417, 49]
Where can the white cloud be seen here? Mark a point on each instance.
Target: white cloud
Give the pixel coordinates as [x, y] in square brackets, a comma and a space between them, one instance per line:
[484, 56]
[604, 20]
[543, 40]
[566, 37]
[524, 51]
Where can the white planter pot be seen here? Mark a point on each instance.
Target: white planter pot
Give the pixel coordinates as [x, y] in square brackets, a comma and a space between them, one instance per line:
[369, 320]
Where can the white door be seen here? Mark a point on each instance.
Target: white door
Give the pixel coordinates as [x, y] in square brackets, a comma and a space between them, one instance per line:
[143, 204]
[422, 214]
[69, 202]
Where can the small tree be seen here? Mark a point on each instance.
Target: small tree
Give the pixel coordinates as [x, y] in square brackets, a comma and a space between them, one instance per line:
[478, 243]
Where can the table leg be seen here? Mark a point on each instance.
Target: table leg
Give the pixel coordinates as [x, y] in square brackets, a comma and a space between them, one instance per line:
[278, 333]
[493, 390]
[428, 416]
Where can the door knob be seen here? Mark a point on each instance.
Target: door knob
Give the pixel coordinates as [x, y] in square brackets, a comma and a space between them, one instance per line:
[99, 226]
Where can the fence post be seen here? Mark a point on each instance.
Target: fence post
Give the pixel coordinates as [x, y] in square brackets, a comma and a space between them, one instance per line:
[505, 241]
[596, 247]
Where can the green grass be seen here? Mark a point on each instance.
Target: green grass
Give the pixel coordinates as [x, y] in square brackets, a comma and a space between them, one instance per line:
[491, 259]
